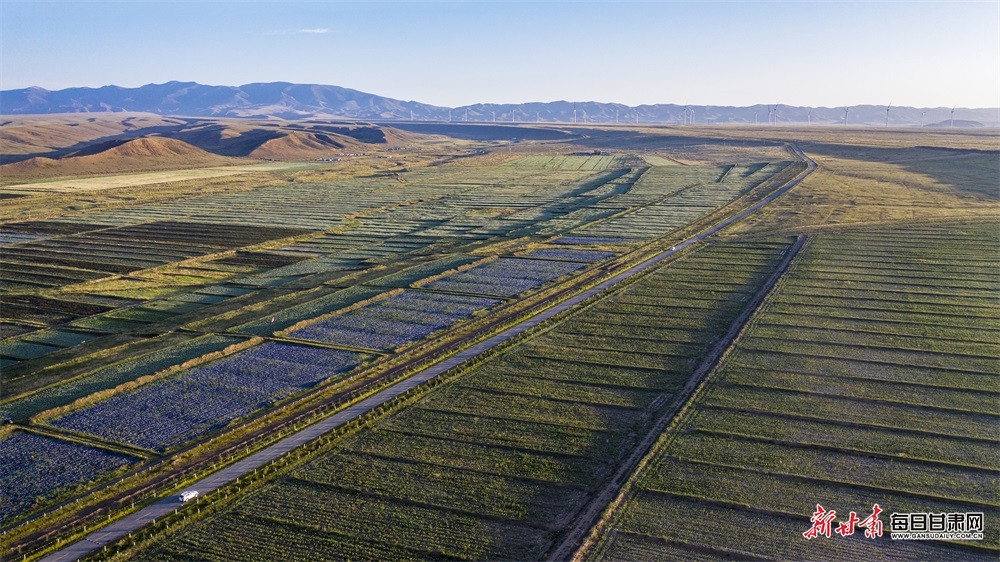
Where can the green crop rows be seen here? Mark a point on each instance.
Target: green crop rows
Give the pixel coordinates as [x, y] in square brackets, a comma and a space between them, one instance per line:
[496, 463]
[96, 300]
[870, 376]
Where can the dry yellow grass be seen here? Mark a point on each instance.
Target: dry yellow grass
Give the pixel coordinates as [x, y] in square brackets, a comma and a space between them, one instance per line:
[853, 192]
[147, 178]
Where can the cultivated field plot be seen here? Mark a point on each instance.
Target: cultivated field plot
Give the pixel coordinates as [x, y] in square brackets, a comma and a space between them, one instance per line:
[870, 377]
[93, 300]
[394, 321]
[497, 462]
[172, 410]
[505, 277]
[673, 196]
[36, 467]
[168, 351]
[107, 252]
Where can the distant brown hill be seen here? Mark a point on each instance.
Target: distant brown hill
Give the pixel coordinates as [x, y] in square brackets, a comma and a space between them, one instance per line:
[136, 155]
[37, 134]
[84, 134]
[297, 145]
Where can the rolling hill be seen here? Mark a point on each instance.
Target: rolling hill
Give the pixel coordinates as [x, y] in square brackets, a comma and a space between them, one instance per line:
[142, 154]
[138, 142]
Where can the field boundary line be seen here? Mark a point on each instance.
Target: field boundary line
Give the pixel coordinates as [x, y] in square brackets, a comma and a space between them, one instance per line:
[838, 449]
[594, 517]
[834, 421]
[829, 481]
[430, 368]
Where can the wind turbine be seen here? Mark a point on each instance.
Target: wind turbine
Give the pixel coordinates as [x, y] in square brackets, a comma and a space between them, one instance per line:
[449, 116]
[887, 115]
[809, 116]
[755, 117]
[847, 112]
[616, 116]
[922, 113]
[952, 125]
[776, 113]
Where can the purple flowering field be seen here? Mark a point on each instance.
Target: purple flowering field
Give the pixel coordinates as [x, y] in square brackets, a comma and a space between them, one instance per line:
[584, 240]
[505, 277]
[570, 255]
[172, 410]
[391, 322]
[34, 467]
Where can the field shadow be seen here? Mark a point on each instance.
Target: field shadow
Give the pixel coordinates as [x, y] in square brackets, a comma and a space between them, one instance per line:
[970, 171]
[484, 131]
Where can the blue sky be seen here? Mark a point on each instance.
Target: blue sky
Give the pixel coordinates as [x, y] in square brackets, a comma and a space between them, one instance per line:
[928, 54]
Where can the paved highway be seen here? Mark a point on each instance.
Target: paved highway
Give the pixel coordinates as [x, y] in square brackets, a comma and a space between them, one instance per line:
[126, 525]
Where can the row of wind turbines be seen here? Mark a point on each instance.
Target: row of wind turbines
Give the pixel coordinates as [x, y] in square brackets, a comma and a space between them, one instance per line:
[688, 116]
[773, 110]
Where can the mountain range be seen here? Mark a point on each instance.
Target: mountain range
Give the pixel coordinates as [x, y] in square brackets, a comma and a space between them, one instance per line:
[298, 101]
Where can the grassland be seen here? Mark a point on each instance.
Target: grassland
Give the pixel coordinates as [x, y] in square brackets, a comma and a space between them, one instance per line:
[870, 377]
[149, 178]
[877, 186]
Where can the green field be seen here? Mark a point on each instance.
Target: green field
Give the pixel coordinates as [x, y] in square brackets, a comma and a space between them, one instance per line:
[97, 300]
[496, 463]
[870, 377]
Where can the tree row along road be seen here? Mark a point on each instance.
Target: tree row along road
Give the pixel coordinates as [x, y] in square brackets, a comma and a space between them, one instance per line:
[134, 521]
